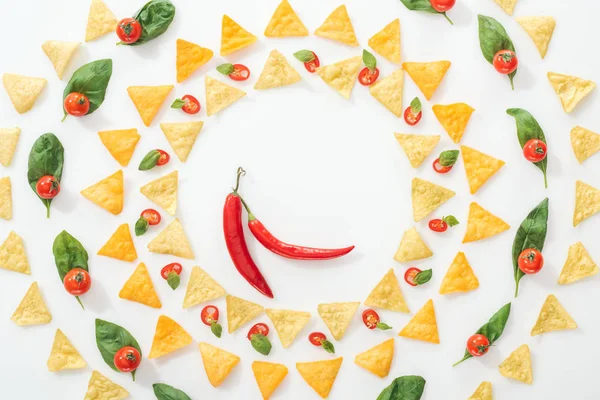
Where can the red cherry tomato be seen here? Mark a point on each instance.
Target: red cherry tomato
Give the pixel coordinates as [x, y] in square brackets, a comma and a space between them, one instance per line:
[439, 168]
[47, 187]
[240, 72]
[410, 118]
[370, 318]
[478, 345]
[127, 359]
[258, 328]
[164, 157]
[534, 150]
[76, 104]
[77, 281]
[152, 216]
[367, 77]
[442, 5]
[410, 274]
[311, 66]
[129, 30]
[317, 338]
[505, 61]
[531, 261]
[173, 267]
[209, 315]
[438, 225]
[191, 106]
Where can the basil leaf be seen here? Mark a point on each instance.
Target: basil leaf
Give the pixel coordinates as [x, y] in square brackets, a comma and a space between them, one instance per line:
[408, 387]
[369, 60]
[216, 329]
[225, 69]
[110, 338]
[155, 18]
[149, 161]
[178, 103]
[383, 326]
[163, 391]
[423, 277]
[450, 220]
[304, 55]
[91, 80]
[492, 39]
[448, 158]
[173, 280]
[261, 343]
[141, 226]
[423, 5]
[328, 346]
[415, 106]
[68, 253]
[45, 158]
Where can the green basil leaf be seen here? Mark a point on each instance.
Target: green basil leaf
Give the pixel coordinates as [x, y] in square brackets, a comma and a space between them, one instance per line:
[225, 69]
[408, 387]
[216, 329]
[423, 277]
[47, 157]
[163, 391]
[415, 106]
[328, 346]
[178, 103]
[149, 161]
[173, 280]
[141, 226]
[425, 6]
[68, 253]
[91, 80]
[448, 158]
[383, 326]
[304, 55]
[450, 220]
[110, 338]
[492, 39]
[261, 343]
[369, 60]
[155, 18]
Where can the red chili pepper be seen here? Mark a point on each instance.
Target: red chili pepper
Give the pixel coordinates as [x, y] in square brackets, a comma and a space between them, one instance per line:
[236, 244]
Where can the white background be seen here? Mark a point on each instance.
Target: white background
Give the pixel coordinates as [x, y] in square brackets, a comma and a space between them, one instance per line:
[322, 171]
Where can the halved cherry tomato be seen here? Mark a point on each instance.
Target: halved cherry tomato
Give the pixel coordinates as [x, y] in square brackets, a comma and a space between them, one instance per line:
[209, 315]
[76, 104]
[442, 5]
[505, 61]
[531, 261]
[127, 359]
[191, 106]
[129, 30]
[240, 72]
[175, 268]
[164, 157]
[410, 118]
[439, 168]
[478, 345]
[47, 187]
[410, 274]
[311, 66]
[258, 328]
[438, 225]
[367, 77]
[371, 320]
[320, 340]
[152, 216]
[77, 281]
[534, 150]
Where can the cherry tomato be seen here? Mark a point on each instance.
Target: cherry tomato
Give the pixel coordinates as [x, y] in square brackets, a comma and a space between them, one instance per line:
[317, 338]
[240, 72]
[505, 61]
[438, 225]
[164, 157]
[311, 66]
[191, 106]
[152, 216]
[478, 345]
[410, 274]
[367, 77]
[129, 30]
[76, 104]
[534, 150]
[439, 168]
[258, 328]
[47, 187]
[77, 281]
[442, 5]
[169, 268]
[410, 118]
[370, 318]
[127, 359]
[209, 315]
[531, 261]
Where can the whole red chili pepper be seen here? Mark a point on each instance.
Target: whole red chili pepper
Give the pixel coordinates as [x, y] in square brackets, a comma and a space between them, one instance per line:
[236, 244]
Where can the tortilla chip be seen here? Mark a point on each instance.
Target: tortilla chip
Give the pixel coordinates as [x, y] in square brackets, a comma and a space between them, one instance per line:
[108, 193]
[587, 202]
[518, 365]
[23, 91]
[338, 27]
[507, 5]
[423, 326]
[417, 147]
[277, 72]
[59, 54]
[120, 143]
[386, 42]
[220, 95]
[9, 137]
[64, 355]
[240, 312]
[427, 76]
[168, 337]
[553, 317]
[454, 118]
[337, 317]
[234, 37]
[387, 294]
[182, 136]
[378, 359]
[218, 363]
[342, 75]
[479, 167]
[5, 198]
[320, 375]
[459, 277]
[139, 288]
[200, 288]
[32, 310]
[288, 324]
[570, 89]
[163, 192]
[388, 91]
[268, 376]
[483, 392]
[585, 143]
[579, 265]
[540, 30]
[427, 197]
[120, 245]
[13, 256]
[100, 21]
[285, 22]
[189, 58]
[102, 388]
[148, 99]
[412, 247]
[482, 224]
[172, 240]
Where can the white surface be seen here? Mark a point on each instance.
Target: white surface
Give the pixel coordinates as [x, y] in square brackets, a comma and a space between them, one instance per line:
[321, 171]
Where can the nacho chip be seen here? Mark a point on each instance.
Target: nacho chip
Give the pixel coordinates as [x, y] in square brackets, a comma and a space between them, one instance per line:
[386, 42]
[108, 193]
[285, 22]
[320, 375]
[64, 355]
[5, 198]
[388, 91]
[479, 167]
[120, 143]
[102, 388]
[220, 95]
[218, 363]
[387, 294]
[483, 392]
[585, 143]
[518, 365]
[459, 277]
[100, 21]
[570, 89]
[412, 247]
[338, 27]
[148, 99]
[417, 147]
[427, 76]
[59, 54]
[540, 30]
[482, 224]
[120, 245]
[23, 91]
[268, 376]
[189, 58]
[277, 72]
[240, 312]
[139, 288]
[342, 75]
[182, 136]
[454, 118]
[337, 317]
[13, 256]
[507, 5]
[587, 202]
[579, 265]
[163, 192]
[423, 326]
[172, 240]
[378, 359]
[234, 37]
[553, 317]
[427, 197]
[9, 137]
[200, 288]
[32, 310]
[168, 337]
[288, 324]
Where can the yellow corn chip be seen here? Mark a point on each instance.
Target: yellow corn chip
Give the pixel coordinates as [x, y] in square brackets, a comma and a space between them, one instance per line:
[378, 359]
[172, 240]
[585, 143]
[412, 247]
[5, 198]
[482, 224]
[427, 76]
[13, 256]
[417, 147]
[64, 355]
[108, 193]
[182, 136]
[100, 21]
[190, 57]
[120, 143]
[288, 324]
[23, 91]
[342, 75]
[218, 363]
[102, 388]
[553, 317]
[148, 99]
[120, 245]
[234, 37]
[540, 29]
[268, 376]
[483, 392]
[386, 42]
[423, 326]
[163, 192]
[454, 118]
[507, 5]
[388, 91]
[60, 54]
[320, 375]
[518, 365]
[285, 22]
[240, 312]
[337, 317]
[479, 167]
[587, 202]
[427, 197]
[139, 288]
[32, 310]
[579, 265]
[200, 288]
[219, 95]
[277, 72]
[387, 294]
[9, 137]
[169, 336]
[570, 89]
[338, 27]
[460, 276]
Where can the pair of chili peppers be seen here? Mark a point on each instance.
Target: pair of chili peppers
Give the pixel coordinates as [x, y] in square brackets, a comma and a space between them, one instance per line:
[238, 250]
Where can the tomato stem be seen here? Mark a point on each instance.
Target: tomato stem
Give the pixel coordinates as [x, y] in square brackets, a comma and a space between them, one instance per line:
[446, 16]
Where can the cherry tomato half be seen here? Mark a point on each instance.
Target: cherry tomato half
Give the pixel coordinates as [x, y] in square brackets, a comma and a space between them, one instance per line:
[531, 261]
[311, 66]
[410, 118]
[77, 281]
[367, 77]
[505, 62]
[164, 157]
[478, 345]
[240, 72]
[442, 5]
[317, 338]
[534, 150]
[47, 187]
[152, 216]
[129, 30]
[127, 359]
[191, 106]
[169, 268]
[439, 168]
[410, 274]
[209, 315]
[438, 225]
[370, 318]
[76, 104]
[258, 328]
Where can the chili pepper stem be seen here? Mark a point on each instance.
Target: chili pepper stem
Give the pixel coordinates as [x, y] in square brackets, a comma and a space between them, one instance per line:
[240, 172]
[251, 216]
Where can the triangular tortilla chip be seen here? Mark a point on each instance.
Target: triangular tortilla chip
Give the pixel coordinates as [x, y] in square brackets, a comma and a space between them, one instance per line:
[277, 72]
[540, 30]
[100, 21]
[268, 376]
[459, 277]
[427, 76]
[479, 167]
[417, 147]
[285, 22]
[234, 37]
[220, 95]
[139, 288]
[120, 245]
[423, 326]
[108, 193]
[412, 247]
[570, 89]
[387, 294]
[168, 337]
[386, 42]
[454, 118]
[64, 355]
[378, 359]
[342, 75]
[5, 198]
[579, 265]
[102, 388]
[482, 224]
[483, 392]
[518, 365]
[60, 54]
[338, 27]
[320, 375]
[388, 91]
[288, 324]
[240, 312]
[163, 192]
[148, 99]
[13, 256]
[189, 58]
[9, 137]
[337, 317]
[553, 317]
[427, 197]
[507, 5]
[120, 143]
[23, 91]
[587, 202]
[218, 363]
[585, 143]
[172, 240]
[182, 136]
[32, 310]
[200, 288]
